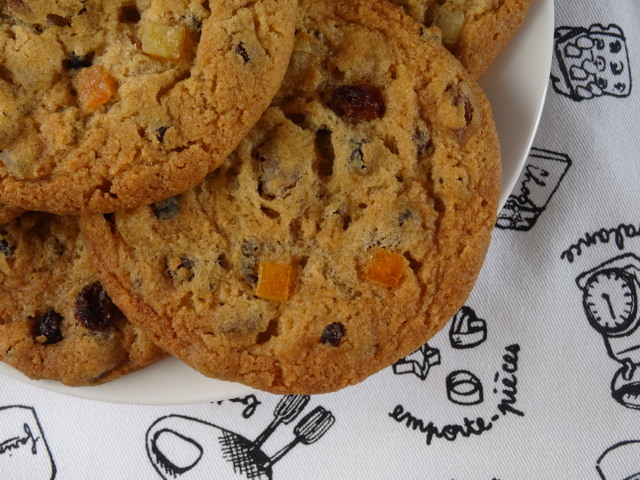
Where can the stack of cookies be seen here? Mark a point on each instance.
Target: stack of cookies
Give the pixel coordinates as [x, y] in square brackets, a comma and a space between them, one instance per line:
[288, 194]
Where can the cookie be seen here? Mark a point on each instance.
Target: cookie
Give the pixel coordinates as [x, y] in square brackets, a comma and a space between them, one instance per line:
[112, 104]
[475, 31]
[56, 320]
[343, 232]
[8, 213]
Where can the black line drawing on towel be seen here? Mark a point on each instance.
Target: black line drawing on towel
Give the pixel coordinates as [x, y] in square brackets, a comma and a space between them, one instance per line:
[464, 388]
[189, 448]
[496, 390]
[467, 330]
[538, 181]
[617, 235]
[250, 403]
[590, 62]
[419, 362]
[24, 451]
[610, 302]
[620, 461]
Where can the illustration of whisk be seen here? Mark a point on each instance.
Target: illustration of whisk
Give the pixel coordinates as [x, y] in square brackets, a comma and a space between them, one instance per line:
[188, 448]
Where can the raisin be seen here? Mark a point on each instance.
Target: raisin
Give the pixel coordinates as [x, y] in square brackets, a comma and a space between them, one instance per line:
[460, 98]
[58, 21]
[48, 328]
[356, 157]
[93, 308]
[77, 62]
[6, 248]
[358, 102]
[18, 6]
[333, 333]
[404, 216]
[424, 145]
[250, 251]
[468, 111]
[181, 272]
[129, 14]
[166, 209]
[160, 131]
[276, 179]
[240, 50]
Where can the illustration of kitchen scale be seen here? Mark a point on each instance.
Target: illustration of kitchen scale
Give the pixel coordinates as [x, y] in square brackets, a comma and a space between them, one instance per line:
[610, 301]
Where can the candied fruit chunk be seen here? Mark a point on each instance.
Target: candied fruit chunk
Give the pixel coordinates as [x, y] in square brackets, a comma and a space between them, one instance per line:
[358, 102]
[95, 86]
[385, 268]
[450, 23]
[163, 41]
[275, 281]
[94, 309]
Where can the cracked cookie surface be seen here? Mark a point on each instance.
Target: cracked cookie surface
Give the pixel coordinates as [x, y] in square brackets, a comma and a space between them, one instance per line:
[56, 321]
[342, 233]
[475, 31]
[117, 103]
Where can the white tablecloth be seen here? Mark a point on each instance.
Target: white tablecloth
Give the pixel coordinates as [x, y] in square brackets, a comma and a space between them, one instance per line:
[535, 378]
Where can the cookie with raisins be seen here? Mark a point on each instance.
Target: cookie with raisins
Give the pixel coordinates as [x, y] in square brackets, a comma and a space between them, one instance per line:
[56, 320]
[475, 31]
[107, 105]
[344, 231]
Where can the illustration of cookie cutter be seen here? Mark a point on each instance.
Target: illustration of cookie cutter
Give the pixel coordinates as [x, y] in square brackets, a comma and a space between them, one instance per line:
[464, 388]
[537, 183]
[467, 330]
[610, 301]
[419, 362]
[188, 448]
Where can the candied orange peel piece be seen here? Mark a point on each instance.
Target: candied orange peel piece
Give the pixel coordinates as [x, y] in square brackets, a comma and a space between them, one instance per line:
[95, 86]
[384, 267]
[275, 281]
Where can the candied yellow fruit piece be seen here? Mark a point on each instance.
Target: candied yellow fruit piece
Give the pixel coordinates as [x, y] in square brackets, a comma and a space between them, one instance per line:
[95, 86]
[275, 281]
[450, 23]
[163, 41]
[385, 268]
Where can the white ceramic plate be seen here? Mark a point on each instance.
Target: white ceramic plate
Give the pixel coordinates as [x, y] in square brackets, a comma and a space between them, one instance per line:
[516, 86]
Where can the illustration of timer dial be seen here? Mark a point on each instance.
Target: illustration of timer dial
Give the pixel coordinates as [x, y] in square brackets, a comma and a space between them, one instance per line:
[610, 301]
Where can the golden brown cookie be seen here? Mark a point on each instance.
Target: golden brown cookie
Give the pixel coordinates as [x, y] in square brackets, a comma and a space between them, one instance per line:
[8, 213]
[344, 231]
[56, 321]
[475, 31]
[116, 103]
